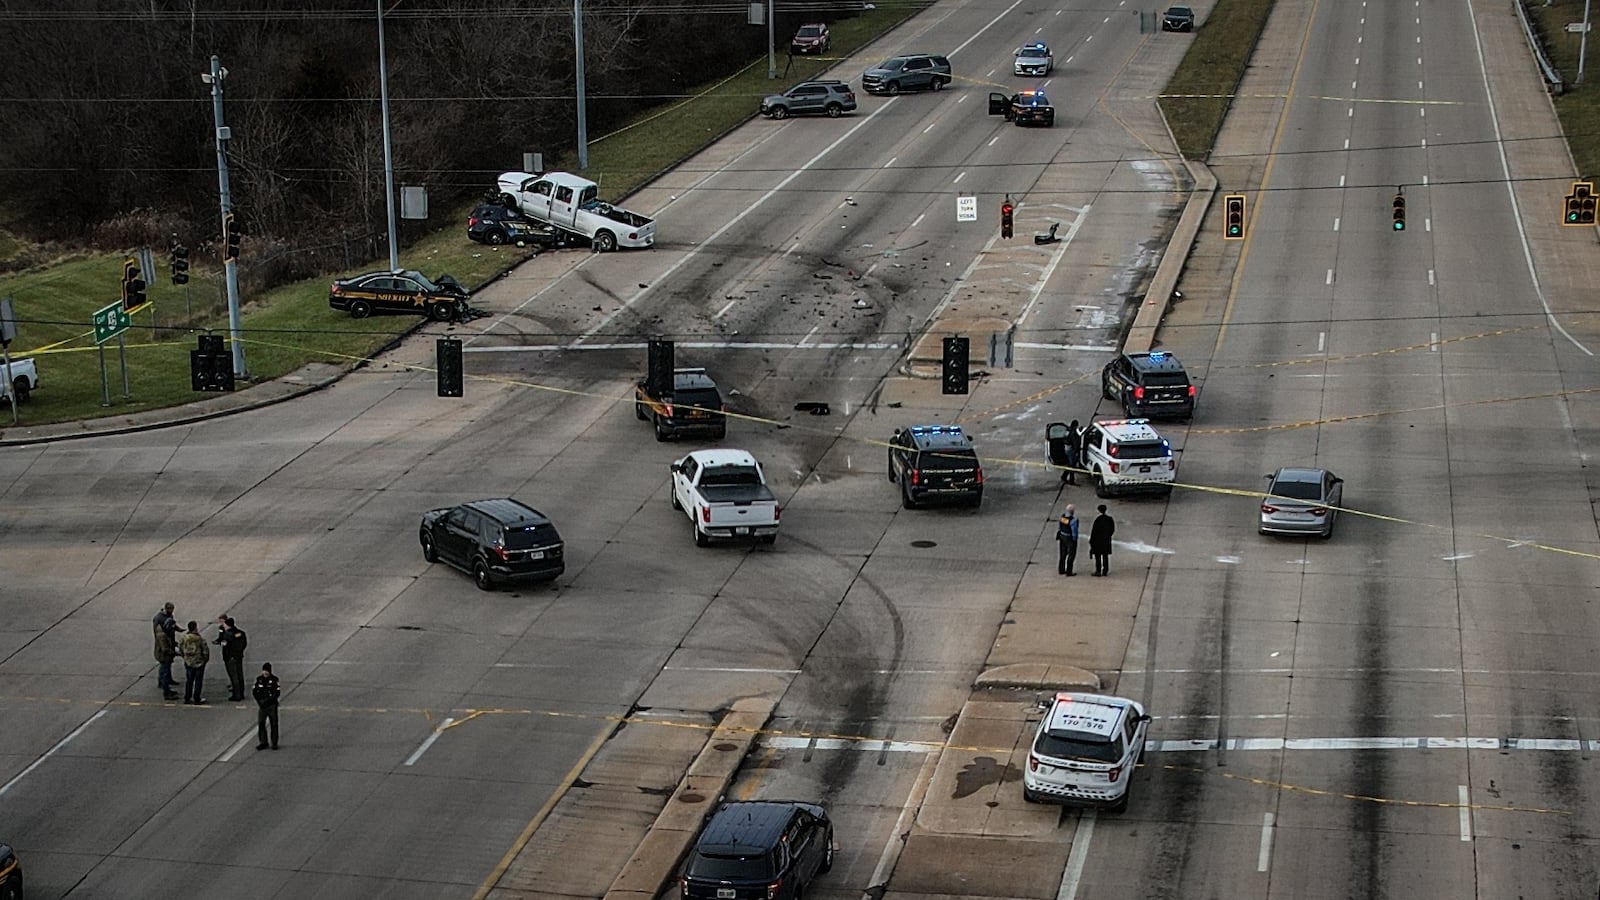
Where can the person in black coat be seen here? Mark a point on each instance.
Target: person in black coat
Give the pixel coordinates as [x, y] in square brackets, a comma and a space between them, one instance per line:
[266, 692]
[1100, 541]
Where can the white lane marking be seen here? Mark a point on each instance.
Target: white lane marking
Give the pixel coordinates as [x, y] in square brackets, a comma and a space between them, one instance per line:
[1088, 39]
[810, 333]
[1092, 348]
[417, 754]
[1050, 268]
[902, 828]
[1330, 276]
[917, 221]
[1347, 143]
[1419, 60]
[1077, 858]
[1422, 111]
[963, 44]
[724, 310]
[1358, 60]
[51, 752]
[627, 304]
[1071, 58]
[1352, 87]
[1350, 113]
[890, 162]
[1433, 342]
[1039, 29]
[991, 73]
[1322, 341]
[962, 99]
[1430, 276]
[1341, 181]
[929, 128]
[1424, 181]
[698, 345]
[1427, 223]
[1335, 223]
[1424, 143]
[992, 140]
[237, 746]
[732, 669]
[1265, 855]
[1466, 812]
[959, 177]
[1358, 38]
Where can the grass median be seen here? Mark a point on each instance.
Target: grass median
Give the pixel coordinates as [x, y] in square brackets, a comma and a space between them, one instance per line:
[290, 326]
[1201, 90]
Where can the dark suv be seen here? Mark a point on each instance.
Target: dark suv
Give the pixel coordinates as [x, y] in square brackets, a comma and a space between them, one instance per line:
[1150, 385]
[10, 874]
[912, 72]
[692, 408]
[498, 541]
[830, 98]
[935, 462]
[496, 223]
[758, 850]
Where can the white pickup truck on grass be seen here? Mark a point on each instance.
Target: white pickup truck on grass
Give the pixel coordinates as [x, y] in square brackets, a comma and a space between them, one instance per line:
[573, 204]
[724, 493]
[23, 378]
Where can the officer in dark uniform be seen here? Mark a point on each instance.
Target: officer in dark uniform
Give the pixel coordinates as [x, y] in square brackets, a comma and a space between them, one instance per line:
[266, 693]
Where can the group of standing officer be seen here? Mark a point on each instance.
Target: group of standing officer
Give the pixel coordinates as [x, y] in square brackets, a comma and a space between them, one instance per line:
[191, 645]
[1099, 540]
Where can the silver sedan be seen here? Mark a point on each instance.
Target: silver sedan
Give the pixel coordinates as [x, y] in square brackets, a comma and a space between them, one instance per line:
[1301, 501]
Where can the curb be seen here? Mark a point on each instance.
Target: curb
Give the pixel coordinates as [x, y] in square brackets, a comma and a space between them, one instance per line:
[1142, 335]
[1037, 677]
[655, 860]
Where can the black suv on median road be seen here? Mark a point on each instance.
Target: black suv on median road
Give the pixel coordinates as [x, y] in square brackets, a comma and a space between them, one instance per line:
[758, 850]
[498, 541]
[912, 72]
[1150, 385]
[935, 462]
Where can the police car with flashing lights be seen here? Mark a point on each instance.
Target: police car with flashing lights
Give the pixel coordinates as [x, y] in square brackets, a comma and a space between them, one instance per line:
[935, 462]
[1033, 59]
[1085, 751]
[1127, 456]
[1152, 385]
[1023, 108]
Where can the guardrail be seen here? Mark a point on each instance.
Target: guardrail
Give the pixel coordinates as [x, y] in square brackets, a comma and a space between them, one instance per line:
[1551, 76]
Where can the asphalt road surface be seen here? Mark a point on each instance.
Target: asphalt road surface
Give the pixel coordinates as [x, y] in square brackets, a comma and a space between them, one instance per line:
[426, 723]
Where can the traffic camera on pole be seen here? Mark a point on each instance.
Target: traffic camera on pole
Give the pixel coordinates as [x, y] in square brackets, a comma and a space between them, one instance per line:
[1400, 211]
[1233, 214]
[1580, 204]
[1007, 209]
[132, 284]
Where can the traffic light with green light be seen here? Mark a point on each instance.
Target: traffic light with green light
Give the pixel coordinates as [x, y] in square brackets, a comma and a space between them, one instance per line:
[1399, 212]
[1233, 217]
[1580, 204]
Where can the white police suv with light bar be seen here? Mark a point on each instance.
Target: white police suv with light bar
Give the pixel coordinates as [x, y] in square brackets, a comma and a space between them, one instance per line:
[1033, 59]
[1127, 456]
[1085, 751]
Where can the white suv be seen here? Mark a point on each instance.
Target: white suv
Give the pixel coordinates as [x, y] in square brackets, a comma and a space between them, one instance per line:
[1125, 456]
[1085, 752]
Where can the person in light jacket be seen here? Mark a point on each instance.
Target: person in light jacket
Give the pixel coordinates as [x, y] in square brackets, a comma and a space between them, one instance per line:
[195, 656]
[166, 634]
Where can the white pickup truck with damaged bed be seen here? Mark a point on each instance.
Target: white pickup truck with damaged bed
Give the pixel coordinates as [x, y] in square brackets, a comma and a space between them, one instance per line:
[573, 204]
[724, 493]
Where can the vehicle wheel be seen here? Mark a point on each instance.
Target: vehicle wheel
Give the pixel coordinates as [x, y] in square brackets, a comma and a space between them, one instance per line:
[1100, 489]
[661, 433]
[1121, 806]
[441, 312]
[827, 854]
[480, 576]
[605, 242]
[360, 309]
[429, 551]
[1029, 796]
[638, 411]
[1327, 533]
[1050, 122]
[835, 110]
[21, 389]
[11, 891]
[975, 502]
[769, 539]
[891, 470]
[938, 84]
[1105, 388]
[720, 434]
[778, 112]
[894, 88]
[495, 236]
[905, 498]
[700, 537]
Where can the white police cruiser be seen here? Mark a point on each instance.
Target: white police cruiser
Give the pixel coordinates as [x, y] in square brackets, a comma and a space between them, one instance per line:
[1085, 751]
[1033, 59]
[1127, 456]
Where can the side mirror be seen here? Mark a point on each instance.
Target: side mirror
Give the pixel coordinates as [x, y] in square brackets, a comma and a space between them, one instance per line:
[677, 467]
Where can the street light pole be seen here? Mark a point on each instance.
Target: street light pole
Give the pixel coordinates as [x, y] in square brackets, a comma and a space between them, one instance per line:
[230, 266]
[772, 46]
[583, 121]
[388, 155]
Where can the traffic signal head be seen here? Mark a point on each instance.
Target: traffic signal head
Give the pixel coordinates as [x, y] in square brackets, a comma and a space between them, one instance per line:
[957, 353]
[230, 236]
[1399, 212]
[1006, 212]
[447, 363]
[132, 284]
[1580, 204]
[180, 264]
[1233, 217]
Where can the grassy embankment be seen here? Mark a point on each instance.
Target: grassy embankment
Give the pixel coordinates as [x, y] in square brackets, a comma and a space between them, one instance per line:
[289, 326]
[1579, 105]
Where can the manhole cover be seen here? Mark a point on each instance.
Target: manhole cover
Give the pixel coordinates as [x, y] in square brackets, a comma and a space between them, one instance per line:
[692, 798]
[924, 544]
[725, 746]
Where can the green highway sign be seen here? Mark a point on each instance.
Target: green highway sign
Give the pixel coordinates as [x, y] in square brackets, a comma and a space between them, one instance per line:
[110, 322]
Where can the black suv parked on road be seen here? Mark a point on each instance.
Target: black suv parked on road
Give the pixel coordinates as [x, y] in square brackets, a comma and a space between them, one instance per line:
[1150, 385]
[759, 850]
[912, 72]
[498, 541]
[830, 98]
[935, 462]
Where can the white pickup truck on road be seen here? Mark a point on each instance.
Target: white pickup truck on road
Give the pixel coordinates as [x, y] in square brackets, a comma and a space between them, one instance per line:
[573, 204]
[724, 493]
[24, 377]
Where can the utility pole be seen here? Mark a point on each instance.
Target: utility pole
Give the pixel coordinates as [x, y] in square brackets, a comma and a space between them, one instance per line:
[1583, 42]
[772, 47]
[388, 155]
[230, 266]
[583, 121]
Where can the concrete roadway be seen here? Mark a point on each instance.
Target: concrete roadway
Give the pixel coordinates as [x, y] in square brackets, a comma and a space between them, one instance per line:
[429, 727]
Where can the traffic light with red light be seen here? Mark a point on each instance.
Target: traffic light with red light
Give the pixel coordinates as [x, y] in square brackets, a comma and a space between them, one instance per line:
[1006, 212]
[1233, 217]
[1399, 212]
[1580, 204]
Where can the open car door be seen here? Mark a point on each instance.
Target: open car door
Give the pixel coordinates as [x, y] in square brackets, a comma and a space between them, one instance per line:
[1055, 437]
[998, 104]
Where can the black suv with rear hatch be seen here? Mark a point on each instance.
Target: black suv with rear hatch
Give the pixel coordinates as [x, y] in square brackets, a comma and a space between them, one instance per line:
[758, 850]
[1150, 385]
[693, 407]
[498, 541]
[935, 462]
